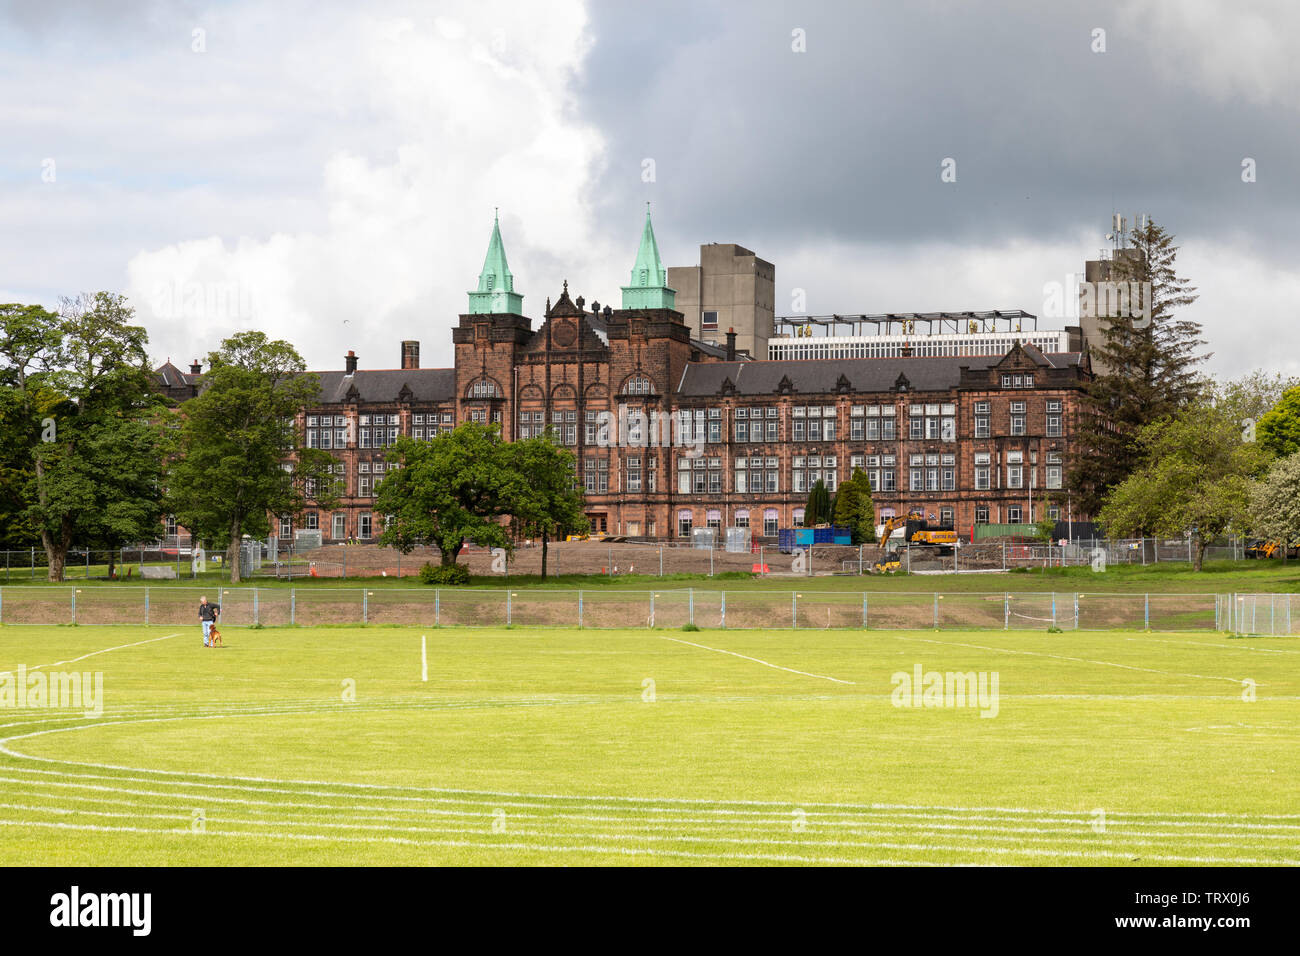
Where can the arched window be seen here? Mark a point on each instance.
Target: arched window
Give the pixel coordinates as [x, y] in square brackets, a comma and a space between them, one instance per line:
[637, 385]
[484, 388]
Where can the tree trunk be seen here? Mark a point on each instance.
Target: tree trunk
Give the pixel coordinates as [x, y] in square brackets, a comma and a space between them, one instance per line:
[449, 555]
[1198, 552]
[544, 536]
[112, 563]
[56, 549]
[232, 550]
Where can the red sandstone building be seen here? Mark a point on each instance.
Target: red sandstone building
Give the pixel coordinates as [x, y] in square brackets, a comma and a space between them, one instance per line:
[975, 439]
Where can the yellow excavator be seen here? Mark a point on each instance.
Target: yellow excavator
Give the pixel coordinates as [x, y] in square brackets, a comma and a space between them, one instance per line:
[1270, 549]
[890, 560]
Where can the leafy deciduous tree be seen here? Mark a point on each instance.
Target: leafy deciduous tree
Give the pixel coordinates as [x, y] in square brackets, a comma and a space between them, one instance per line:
[239, 460]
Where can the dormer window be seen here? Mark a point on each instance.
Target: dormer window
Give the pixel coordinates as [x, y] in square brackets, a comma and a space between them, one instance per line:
[637, 385]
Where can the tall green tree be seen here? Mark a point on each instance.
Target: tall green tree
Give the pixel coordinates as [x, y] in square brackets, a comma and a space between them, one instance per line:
[546, 501]
[1194, 476]
[447, 491]
[30, 340]
[1275, 502]
[239, 457]
[854, 508]
[818, 508]
[1147, 361]
[1278, 429]
[82, 387]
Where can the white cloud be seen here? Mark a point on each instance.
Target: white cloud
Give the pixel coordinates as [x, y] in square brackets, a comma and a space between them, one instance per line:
[1244, 49]
[469, 114]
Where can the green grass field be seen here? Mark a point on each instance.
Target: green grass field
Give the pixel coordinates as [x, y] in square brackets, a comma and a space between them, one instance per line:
[567, 746]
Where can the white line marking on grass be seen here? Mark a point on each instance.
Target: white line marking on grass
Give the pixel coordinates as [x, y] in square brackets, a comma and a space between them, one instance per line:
[119, 647]
[756, 660]
[469, 844]
[363, 790]
[1226, 647]
[1061, 657]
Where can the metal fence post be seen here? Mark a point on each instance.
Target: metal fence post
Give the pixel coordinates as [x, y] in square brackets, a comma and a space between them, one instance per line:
[1006, 604]
[690, 594]
[579, 609]
[794, 609]
[1146, 612]
[508, 596]
[935, 602]
[365, 606]
[345, 560]
[1076, 610]
[256, 618]
[724, 610]
[661, 564]
[1053, 609]
[864, 608]
[146, 607]
[74, 604]
[437, 606]
[293, 606]
[652, 609]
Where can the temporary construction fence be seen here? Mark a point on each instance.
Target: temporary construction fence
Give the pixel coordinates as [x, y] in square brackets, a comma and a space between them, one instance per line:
[174, 606]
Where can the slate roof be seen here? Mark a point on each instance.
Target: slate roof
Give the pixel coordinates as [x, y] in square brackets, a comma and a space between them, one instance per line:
[383, 385]
[172, 377]
[811, 376]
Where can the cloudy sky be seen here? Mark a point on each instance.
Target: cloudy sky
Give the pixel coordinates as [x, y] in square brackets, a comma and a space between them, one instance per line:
[328, 172]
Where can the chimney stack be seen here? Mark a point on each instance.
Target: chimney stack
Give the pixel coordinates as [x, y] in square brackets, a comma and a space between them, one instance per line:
[731, 345]
[195, 367]
[410, 354]
[351, 360]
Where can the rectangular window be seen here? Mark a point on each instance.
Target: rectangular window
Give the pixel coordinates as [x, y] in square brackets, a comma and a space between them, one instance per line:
[1013, 514]
[1053, 426]
[634, 474]
[340, 526]
[887, 480]
[915, 428]
[798, 429]
[949, 479]
[1015, 476]
[769, 527]
[982, 477]
[887, 429]
[363, 525]
[1017, 425]
[982, 514]
[916, 479]
[313, 521]
[742, 430]
[855, 429]
[771, 431]
[982, 426]
[1053, 476]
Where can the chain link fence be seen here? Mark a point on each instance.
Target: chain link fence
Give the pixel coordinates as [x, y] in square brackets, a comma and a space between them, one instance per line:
[361, 559]
[174, 606]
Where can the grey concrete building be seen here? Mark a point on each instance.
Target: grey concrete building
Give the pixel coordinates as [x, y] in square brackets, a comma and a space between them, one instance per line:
[731, 288]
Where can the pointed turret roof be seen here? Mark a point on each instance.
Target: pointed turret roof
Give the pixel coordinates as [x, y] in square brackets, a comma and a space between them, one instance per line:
[496, 283]
[648, 287]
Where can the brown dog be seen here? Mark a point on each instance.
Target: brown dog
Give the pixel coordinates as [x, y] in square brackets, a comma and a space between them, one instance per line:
[215, 636]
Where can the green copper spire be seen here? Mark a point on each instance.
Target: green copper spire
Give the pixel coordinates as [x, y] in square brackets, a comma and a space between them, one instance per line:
[649, 286]
[496, 283]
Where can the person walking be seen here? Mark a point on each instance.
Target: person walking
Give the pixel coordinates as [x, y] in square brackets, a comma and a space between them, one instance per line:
[208, 614]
